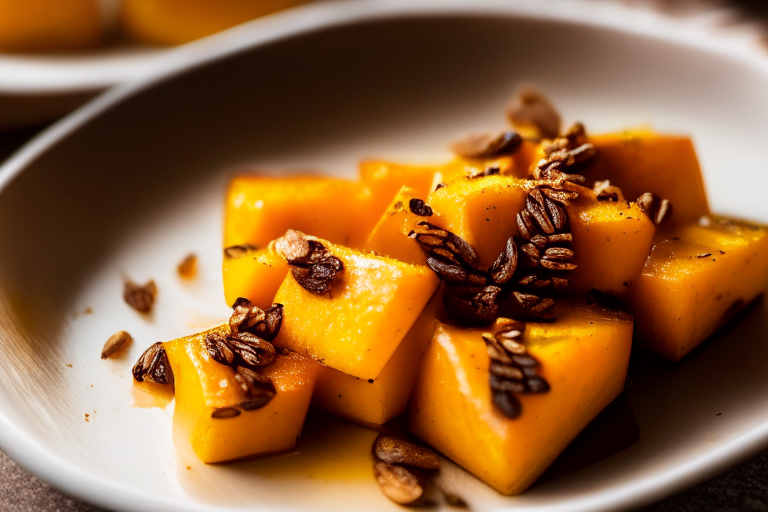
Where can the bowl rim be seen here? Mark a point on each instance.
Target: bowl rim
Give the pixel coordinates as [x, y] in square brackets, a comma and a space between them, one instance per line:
[100, 491]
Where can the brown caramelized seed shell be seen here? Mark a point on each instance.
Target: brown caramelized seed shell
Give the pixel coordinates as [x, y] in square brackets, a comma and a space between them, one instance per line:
[399, 451]
[238, 251]
[153, 366]
[531, 109]
[140, 297]
[418, 207]
[223, 413]
[399, 484]
[487, 145]
[115, 343]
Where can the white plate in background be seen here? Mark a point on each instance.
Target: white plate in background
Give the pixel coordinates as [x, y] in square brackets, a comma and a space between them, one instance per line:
[134, 181]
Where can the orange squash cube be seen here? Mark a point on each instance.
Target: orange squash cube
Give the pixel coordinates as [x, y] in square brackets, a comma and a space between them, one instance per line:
[611, 242]
[359, 325]
[696, 278]
[255, 275]
[390, 236]
[203, 386]
[376, 401]
[260, 209]
[481, 211]
[583, 356]
[385, 179]
[643, 161]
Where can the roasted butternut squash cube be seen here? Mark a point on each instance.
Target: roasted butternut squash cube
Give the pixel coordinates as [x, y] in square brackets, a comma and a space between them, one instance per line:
[260, 209]
[480, 210]
[204, 386]
[643, 161]
[583, 356]
[376, 401]
[255, 275]
[610, 239]
[358, 326]
[390, 236]
[50, 25]
[181, 21]
[385, 179]
[697, 277]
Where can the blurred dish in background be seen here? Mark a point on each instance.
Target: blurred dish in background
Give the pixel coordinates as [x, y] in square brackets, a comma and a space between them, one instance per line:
[181, 21]
[50, 25]
[57, 54]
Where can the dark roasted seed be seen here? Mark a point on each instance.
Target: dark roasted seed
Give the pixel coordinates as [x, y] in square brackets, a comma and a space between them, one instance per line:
[556, 265]
[500, 384]
[418, 207]
[505, 265]
[487, 145]
[153, 366]
[525, 224]
[400, 484]
[470, 304]
[399, 451]
[506, 371]
[115, 343]
[238, 251]
[140, 297]
[219, 349]
[538, 212]
[507, 403]
[532, 111]
[657, 209]
[559, 254]
[223, 413]
[447, 271]
[254, 384]
[254, 404]
[252, 351]
[524, 360]
[557, 214]
[537, 385]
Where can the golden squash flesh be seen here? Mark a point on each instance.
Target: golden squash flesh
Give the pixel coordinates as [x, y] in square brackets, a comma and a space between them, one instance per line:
[583, 356]
[358, 326]
[696, 278]
[203, 386]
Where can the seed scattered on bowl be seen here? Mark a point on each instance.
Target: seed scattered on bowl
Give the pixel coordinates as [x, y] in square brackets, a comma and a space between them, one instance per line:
[140, 297]
[115, 343]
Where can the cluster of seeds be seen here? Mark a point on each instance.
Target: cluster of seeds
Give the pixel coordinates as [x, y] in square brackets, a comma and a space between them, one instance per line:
[246, 349]
[472, 292]
[543, 225]
[512, 370]
[312, 264]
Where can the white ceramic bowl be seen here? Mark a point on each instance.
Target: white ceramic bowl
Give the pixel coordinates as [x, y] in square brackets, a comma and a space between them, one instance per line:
[134, 181]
